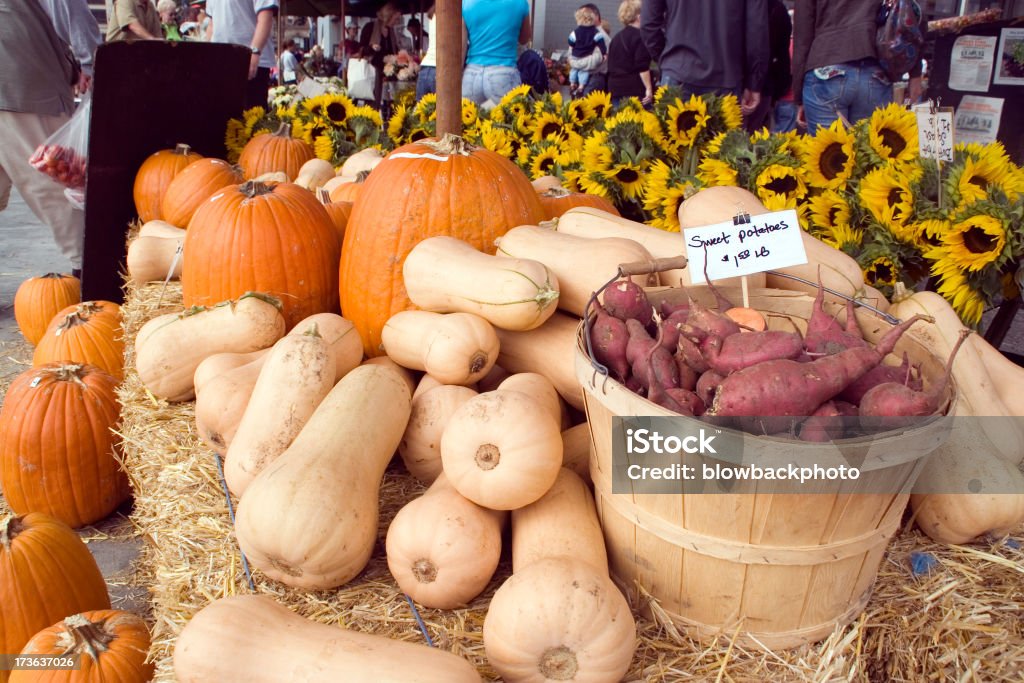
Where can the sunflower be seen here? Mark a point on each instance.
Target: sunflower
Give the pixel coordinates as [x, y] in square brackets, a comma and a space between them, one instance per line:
[975, 242]
[647, 123]
[518, 93]
[576, 113]
[366, 112]
[890, 200]
[598, 104]
[323, 147]
[829, 157]
[543, 162]
[312, 107]
[892, 133]
[597, 155]
[780, 186]
[337, 108]
[470, 113]
[498, 114]
[235, 139]
[664, 190]
[929, 233]
[426, 107]
[829, 211]
[716, 172]
[957, 290]
[312, 130]
[843, 236]
[971, 181]
[547, 125]
[250, 117]
[497, 139]
[628, 177]
[714, 146]
[399, 125]
[685, 121]
[593, 183]
[732, 116]
[882, 271]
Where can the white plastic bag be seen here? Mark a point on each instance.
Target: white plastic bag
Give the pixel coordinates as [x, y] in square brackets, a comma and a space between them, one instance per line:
[63, 155]
[361, 76]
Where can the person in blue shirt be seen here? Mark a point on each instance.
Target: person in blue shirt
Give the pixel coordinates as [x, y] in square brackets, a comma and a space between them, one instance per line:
[493, 31]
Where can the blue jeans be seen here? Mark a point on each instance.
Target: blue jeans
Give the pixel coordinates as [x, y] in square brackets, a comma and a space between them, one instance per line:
[784, 116]
[862, 88]
[482, 83]
[578, 77]
[426, 82]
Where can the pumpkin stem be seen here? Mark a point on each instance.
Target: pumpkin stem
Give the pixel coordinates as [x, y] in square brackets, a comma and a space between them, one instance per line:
[182, 149]
[284, 130]
[478, 362]
[424, 570]
[362, 175]
[10, 527]
[66, 372]
[487, 456]
[900, 293]
[79, 316]
[81, 636]
[266, 298]
[254, 188]
[54, 276]
[549, 225]
[451, 145]
[312, 331]
[323, 195]
[559, 664]
[556, 193]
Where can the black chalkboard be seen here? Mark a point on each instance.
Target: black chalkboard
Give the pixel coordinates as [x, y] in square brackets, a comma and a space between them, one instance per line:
[147, 96]
[1011, 125]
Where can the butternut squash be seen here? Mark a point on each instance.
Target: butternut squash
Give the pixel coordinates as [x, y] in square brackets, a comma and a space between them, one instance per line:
[420, 447]
[559, 619]
[547, 182]
[501, 449]
[159, 228]
[549, 350]
[839, 272]
[540, 389]
[309, 519]
[447, 275]
[314, 173]
[492, 379]
[425, 384]
[334, 183]
[443, 549]
[975, 385]
[154, 259]
[219, 363]
[966, 462]
[296, 376]
[363, 161]
[871, 296]
[561, 522]
[255, 639]
[576, 450]
[169, 347]
[581, 265]
[408, 375]
[718, 204]
[456, 348]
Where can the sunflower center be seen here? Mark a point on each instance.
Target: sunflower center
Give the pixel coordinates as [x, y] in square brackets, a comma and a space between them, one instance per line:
[417, 135]
[336, 111]
[833, 161]
[893, 140]
[882, 272]
[546, 164]
[550, 128]
[833, 216]
[686, 120]
[627, 176]
[979, 181]
[784, 185]
[978, 241]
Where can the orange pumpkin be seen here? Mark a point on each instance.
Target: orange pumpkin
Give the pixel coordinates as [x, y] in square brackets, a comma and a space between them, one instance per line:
[193, 186]
[46, 573]
[349, 192]
[155, 174]
[111, 646]
[38, 299]
[558, 200]
[57, 451]
[89, 332]
[420, 190]
[274, 152]
[339, 212]
[263, 237]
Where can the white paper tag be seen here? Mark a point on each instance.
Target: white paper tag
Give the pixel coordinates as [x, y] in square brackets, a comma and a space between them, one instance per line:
[935, 131]
[733, 248]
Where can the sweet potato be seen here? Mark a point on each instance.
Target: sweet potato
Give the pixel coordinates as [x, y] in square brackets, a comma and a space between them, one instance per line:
[881, 374]
[823, 425]
[659, 377]
[608, 338]
[824, 333]
[687, 376]
[687, 399]
[671, 327]
[667, 309]
[709, 322]
[747, 318]
[789, 388]
[688, 352]
[626, 299]
[706, 385]
[743, 350]
[892, 399]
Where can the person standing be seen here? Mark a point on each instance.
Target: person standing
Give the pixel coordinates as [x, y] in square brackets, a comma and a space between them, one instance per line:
[377, 41]
[494, 30]
[76, 26]
[779, 77]
[426, 80]
[584, 40]
[168, 11]
[629, 62]
[249, 23]
[289, 64]
[35, 100]
[710, 46]
[132, 20]
[599, 78]
[835, 68]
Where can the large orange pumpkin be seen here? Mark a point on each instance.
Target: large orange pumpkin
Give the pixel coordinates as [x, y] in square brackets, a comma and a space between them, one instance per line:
[111, 646]
[153, 177]
[193, 186]
[57, 451]
[38, 299]
[89, 332]
[46, 573]
[263, 237]
[558, 200]
[339, 212]
[274, 152]
[420, 190]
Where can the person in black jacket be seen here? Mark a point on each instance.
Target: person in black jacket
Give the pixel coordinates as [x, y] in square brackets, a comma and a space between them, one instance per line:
[778, 79]
[709, 46]
[629, 62]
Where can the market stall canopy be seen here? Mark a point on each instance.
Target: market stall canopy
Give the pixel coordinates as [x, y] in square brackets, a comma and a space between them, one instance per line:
[353, 8]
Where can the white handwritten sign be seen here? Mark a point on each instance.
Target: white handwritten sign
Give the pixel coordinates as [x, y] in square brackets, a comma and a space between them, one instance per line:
[935, 131]
[767, 242]
[977, 118]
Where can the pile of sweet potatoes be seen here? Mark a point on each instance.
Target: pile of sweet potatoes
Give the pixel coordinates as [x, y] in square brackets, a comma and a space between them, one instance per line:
[698, 362]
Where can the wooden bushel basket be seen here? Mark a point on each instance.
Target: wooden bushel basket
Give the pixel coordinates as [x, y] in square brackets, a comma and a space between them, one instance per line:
[782, 570]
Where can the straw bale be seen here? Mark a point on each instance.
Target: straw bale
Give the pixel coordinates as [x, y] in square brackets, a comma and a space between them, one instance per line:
[962, 622]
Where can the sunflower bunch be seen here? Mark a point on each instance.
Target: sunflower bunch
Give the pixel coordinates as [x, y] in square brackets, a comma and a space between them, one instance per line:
[615, 160]
[255, 121]
[767, 165]
[548, 157]
[557, 121]
[688, 126]
[665, 188]
[410, 123]
[515, 111]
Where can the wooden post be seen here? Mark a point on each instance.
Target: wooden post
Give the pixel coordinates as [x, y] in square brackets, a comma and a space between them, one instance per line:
[448, 27]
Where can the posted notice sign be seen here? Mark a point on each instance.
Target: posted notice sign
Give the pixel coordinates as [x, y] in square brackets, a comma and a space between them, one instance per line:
[735, 248]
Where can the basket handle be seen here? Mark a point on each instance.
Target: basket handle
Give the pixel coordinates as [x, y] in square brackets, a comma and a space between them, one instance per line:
[658, 265]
